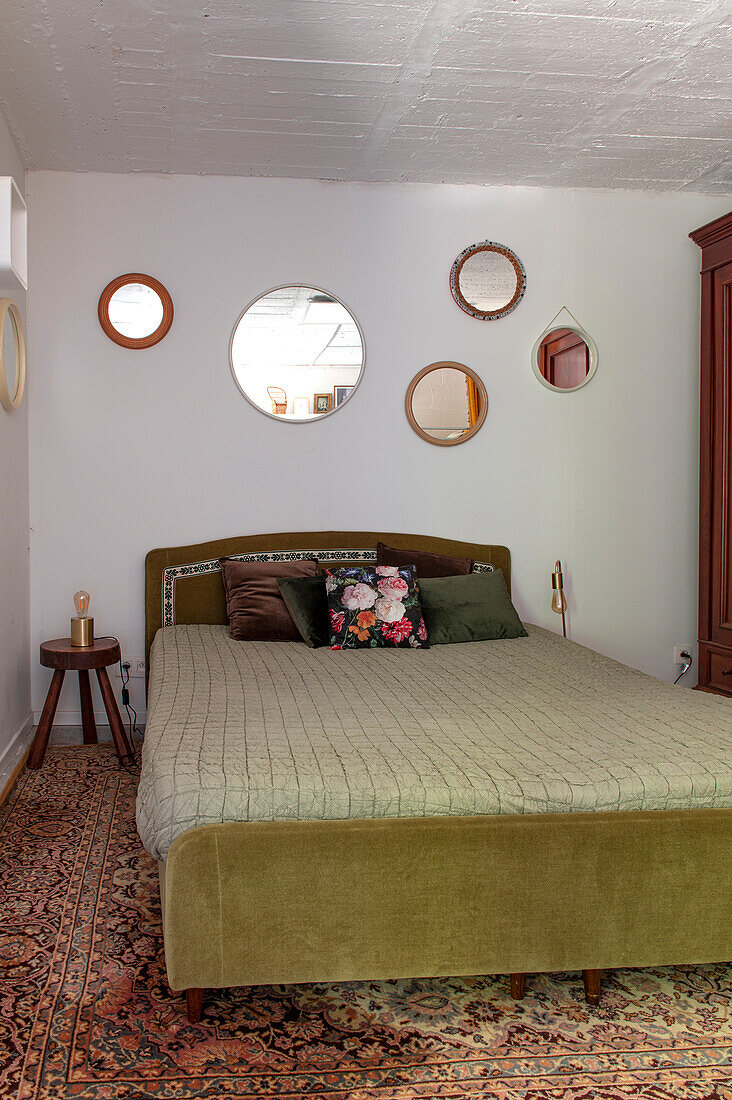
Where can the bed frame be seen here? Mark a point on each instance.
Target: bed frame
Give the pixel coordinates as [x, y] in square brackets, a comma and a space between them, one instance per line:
[246, 903]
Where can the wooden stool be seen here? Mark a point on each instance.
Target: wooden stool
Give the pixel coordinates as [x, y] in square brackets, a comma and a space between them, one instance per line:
[63, 657]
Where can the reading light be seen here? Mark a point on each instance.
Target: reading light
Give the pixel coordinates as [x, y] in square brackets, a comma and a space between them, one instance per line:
[82, 625]
[559, 602]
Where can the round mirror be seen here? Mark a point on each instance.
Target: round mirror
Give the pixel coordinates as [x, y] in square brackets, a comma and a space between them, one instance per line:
[446, 403]
[135, 311]
[297, 353]
[12, 350]
[487, 280]
[564, 359]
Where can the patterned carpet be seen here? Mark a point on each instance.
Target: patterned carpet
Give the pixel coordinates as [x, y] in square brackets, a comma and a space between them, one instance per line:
[85, 1011]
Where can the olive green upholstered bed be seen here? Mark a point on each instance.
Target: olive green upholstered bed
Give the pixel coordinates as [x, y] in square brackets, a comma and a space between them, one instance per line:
[516, 806]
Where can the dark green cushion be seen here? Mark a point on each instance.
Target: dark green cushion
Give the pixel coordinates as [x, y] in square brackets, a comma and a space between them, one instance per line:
[470, 608]
[308, 605]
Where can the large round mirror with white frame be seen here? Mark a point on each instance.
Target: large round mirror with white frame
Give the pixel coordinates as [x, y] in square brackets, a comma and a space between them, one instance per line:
[564, 358]
[297, 353]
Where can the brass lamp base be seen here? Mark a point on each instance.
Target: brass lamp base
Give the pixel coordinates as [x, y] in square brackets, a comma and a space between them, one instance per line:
[82, 631]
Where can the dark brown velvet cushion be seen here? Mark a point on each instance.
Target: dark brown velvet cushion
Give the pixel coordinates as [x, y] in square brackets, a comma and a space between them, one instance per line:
[254, 604]
[427, 563]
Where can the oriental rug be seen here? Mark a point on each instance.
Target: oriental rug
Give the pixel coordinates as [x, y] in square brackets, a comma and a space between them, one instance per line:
[85, 1011]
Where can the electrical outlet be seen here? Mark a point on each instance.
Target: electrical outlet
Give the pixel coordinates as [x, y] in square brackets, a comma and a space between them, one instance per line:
[137, 665]
[678, 659]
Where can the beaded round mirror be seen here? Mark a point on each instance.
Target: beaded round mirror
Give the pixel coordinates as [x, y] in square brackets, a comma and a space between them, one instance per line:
[297, 353]
[487, 280]
[135, 311]
[446, 403]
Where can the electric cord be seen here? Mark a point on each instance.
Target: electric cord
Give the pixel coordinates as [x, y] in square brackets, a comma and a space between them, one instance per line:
[124, 675]
[688, 662]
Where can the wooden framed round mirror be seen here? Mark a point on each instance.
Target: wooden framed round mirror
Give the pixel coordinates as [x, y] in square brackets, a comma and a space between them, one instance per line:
[487, 280]
[135, 311]
[446, 403]
[12, 355]
[564, 359]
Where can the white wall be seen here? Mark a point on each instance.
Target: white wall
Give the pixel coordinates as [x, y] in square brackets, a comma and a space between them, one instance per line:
[136, 449]
[15, 716]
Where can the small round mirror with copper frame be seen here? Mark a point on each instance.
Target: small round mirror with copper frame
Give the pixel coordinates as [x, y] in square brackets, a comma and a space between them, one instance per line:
[446, 403]
[135, 311]
[487, 280]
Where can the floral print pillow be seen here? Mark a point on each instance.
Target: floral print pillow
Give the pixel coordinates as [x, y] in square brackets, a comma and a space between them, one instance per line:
[371, 607]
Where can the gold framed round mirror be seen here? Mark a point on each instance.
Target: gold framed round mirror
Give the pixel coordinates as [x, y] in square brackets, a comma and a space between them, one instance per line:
[12, 356]
[487, 280]
[135, 311]
[446, 403]
[297, 353]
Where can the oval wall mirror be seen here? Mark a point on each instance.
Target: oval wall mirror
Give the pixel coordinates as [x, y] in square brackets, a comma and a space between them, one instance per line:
[565, 358]
[297, 353]
[446, 403]
[12, 356]
[487, 280]
[135, 311]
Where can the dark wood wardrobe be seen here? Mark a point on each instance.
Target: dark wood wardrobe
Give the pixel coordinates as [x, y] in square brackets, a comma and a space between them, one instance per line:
[715, 486]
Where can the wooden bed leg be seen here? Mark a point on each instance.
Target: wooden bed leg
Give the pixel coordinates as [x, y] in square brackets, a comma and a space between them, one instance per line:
[593, 981]
[194, 1005]
[518, 986]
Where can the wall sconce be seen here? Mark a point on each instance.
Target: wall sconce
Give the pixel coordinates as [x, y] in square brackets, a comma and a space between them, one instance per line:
[559, 602]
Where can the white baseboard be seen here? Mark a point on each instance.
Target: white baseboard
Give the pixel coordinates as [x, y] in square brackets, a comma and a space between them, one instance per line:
[11, 755]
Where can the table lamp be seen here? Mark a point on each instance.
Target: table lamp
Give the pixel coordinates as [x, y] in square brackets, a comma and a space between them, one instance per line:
[82, 625]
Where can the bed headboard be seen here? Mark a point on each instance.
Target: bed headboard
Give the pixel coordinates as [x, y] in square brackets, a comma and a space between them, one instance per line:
[183, 583]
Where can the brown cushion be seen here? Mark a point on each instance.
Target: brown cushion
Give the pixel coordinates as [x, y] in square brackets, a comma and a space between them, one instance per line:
[428, 564]
[254, 603]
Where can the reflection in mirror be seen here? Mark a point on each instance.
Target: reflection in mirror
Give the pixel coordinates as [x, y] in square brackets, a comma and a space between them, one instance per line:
[11, 374]
[135, 310]
[297, 353]
[487, 280]
[564, 358]
[446, 403]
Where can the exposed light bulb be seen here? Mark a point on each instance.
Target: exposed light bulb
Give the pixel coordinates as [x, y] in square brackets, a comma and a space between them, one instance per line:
[559, 601]
[82, 600]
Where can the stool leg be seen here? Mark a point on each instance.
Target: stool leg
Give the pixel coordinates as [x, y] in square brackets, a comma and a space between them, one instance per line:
[40, 741]
[87, 708]
[194, 1005]
[119, 736]
[593, 981]
[518, 986]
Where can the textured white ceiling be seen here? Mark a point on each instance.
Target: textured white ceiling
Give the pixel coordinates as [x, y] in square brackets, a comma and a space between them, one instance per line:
[589, 93]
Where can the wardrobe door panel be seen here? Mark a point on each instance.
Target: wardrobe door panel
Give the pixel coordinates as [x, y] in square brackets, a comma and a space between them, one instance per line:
[720, 605]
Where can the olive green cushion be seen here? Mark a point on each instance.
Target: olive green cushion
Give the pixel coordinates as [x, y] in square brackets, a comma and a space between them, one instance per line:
[472, 608]
[308, 605]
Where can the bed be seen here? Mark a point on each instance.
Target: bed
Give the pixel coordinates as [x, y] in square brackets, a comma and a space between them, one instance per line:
[516, 806]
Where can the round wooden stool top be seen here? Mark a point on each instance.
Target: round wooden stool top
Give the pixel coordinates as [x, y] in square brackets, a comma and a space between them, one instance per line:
[60, 653]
